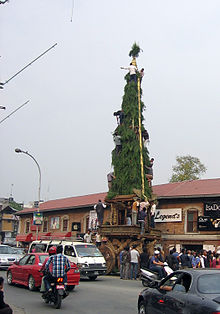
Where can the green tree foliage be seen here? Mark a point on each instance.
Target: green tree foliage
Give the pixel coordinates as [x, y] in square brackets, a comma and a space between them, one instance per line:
[126, 163]
[135, 50]
[187, 168]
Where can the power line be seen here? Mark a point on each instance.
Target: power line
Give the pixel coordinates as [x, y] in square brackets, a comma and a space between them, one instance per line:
[28, 64]
[15, 111]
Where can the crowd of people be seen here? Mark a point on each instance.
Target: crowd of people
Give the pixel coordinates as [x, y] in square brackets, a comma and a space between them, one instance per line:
[193, 259]
[131, 261]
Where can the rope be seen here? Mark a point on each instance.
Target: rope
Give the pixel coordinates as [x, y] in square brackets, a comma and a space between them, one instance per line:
[140, 136]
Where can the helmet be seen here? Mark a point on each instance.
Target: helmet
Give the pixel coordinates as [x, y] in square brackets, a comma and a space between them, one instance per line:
[156, 252]
[52, 250]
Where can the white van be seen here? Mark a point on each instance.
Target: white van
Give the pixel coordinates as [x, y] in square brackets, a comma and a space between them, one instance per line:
[87, 256]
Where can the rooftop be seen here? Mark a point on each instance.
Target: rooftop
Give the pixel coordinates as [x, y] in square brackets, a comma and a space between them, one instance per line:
[190, 189]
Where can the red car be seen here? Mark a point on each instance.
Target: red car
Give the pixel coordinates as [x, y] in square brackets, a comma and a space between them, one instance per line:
[26, 272]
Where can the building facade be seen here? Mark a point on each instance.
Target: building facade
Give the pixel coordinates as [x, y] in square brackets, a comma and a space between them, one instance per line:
[187, 214]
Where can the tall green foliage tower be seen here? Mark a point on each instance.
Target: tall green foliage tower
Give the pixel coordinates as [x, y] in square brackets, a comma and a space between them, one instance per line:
[131, 160]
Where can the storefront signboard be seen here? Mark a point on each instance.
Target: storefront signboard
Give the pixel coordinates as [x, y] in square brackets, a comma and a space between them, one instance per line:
[206, 223]
[212, 209]
[168, 215]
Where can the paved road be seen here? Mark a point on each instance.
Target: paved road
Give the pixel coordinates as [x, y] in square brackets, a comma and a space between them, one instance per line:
[106, 295]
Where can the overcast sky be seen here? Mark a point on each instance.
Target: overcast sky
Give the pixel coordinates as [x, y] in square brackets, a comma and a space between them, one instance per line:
[75, 88]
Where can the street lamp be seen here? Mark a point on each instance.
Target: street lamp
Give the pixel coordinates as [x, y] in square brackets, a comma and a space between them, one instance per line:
[18, 150]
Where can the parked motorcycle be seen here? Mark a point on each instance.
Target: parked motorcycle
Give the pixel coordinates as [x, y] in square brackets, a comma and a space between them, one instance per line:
[57, 294]
[147, 275]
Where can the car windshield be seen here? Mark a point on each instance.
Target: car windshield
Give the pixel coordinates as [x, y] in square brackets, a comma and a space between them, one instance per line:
[87, 250]
[42, 258]
[6, 250]
[209, 284]
[38, 248]
[19, 251]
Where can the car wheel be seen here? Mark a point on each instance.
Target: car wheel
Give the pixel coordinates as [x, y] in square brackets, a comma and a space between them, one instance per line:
[92, 277]
[142, 308]
[31, 283]
[70, 288]
[9, 278]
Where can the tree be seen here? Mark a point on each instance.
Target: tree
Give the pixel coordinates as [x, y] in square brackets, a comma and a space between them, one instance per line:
[127, 161]
[187, 168]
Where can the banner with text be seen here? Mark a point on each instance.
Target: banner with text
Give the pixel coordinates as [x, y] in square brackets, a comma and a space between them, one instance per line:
[212, 209]
[206, 223]
[168, 215]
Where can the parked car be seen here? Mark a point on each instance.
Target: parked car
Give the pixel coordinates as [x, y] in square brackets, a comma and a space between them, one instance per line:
[26, 272]
[186, 291]
[7, 256]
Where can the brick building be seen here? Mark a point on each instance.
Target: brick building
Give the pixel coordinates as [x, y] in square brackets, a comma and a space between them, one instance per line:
[63, 217]
[188, 215]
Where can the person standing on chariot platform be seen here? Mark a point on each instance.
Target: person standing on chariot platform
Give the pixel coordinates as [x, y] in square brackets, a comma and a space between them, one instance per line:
[99, 207]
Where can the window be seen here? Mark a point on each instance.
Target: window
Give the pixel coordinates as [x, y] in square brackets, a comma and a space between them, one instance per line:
[209, 284]
[65, 223]
[31, 260]
[180, 283]
[69, 250]
[27, 229]
[45, 226]
[192, 220]
[24, 260]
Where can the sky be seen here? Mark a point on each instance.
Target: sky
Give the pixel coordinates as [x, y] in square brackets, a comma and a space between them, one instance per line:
[75, 88]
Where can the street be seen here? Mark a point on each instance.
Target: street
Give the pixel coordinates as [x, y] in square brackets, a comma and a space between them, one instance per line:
[106, 295]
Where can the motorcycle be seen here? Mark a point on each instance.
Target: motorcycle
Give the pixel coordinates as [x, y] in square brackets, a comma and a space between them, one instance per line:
[57, 294]
[148, 276]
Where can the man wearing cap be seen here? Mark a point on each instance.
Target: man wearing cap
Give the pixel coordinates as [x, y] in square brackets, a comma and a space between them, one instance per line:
[156, 265]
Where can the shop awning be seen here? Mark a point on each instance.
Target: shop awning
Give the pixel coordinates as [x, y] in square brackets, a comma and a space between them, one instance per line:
[60, 235]
[41, 236]
[24, 237]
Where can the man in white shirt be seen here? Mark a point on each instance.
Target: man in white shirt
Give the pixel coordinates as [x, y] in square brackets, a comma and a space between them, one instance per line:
[88, 237]
[132, 70]
[135, 256]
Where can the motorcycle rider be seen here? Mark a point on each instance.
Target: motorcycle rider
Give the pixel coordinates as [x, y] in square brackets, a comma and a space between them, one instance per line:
[156, 265]
[60, 267]
[52, 251]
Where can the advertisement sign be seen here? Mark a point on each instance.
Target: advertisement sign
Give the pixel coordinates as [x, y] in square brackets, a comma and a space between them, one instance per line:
[212, 209]
[37, 218]
[206, 223]
[55, 223]
[92, 220]
[76, 226]
[168, 215]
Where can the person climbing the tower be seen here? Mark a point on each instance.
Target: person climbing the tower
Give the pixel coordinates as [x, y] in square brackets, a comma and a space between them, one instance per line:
[117, 141]
[132, 71]
[110, 178]
[149, 170]
[141, 72]
[146, 137]
[119, 116]
[99, 207]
